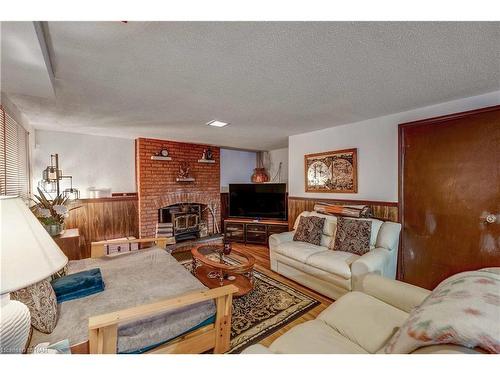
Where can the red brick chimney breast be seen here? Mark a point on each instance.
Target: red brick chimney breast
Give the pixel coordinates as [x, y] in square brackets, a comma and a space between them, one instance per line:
[156, 180]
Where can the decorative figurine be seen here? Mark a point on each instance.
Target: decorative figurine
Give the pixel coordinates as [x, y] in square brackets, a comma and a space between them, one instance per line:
[208, 155]
[184, 170]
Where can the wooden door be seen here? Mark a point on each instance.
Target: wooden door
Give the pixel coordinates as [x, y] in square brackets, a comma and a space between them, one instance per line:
[449, 189]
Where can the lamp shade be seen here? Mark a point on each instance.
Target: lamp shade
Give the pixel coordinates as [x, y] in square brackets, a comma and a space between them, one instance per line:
[27, 252]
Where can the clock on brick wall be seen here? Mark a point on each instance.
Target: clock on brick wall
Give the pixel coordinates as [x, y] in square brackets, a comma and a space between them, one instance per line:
[332, 172]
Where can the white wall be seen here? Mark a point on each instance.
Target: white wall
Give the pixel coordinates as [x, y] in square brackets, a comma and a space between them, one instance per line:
[93, 161]
[109, 162]
[275, 157]
[235, 167]
[377, 143]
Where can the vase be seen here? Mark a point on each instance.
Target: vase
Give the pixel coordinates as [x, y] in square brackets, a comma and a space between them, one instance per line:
[260, 175]
[54, 229]
[227, 248]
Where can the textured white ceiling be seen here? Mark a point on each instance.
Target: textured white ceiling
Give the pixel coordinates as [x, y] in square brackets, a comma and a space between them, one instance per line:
[268, 79]
[23, 67]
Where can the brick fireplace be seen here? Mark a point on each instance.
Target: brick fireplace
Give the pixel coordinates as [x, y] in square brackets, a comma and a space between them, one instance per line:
[157, 186]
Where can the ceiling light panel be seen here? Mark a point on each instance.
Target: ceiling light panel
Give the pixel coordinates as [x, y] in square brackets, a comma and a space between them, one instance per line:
[217, 123]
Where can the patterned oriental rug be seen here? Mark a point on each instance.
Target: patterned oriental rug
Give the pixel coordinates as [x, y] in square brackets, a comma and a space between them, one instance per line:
[268, 307]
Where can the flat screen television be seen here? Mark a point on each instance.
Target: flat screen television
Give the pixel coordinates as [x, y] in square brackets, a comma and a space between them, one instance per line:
[256, 201]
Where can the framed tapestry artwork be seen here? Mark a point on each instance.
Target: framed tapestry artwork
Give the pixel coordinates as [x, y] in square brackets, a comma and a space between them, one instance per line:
[332, 172]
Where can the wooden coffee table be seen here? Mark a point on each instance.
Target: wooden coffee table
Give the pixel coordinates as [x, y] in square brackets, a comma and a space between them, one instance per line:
[212, 268]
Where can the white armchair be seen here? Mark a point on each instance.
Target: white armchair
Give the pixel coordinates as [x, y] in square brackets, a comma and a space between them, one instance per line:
[334, 273]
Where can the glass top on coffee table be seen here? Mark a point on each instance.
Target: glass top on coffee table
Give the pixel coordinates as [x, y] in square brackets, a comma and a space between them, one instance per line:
[214, 268]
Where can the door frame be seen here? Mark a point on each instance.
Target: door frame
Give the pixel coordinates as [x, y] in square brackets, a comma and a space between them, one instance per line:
[401, 146]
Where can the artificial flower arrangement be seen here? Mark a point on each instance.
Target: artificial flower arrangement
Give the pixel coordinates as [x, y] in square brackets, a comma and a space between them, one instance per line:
[51, 212]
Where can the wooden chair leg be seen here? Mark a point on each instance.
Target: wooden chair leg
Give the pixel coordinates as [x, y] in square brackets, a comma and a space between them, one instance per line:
[93, 341]
[161, 243]
[103, 340]
[223, 324]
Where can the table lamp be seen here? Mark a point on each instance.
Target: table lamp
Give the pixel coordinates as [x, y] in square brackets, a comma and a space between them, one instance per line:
[27, 255]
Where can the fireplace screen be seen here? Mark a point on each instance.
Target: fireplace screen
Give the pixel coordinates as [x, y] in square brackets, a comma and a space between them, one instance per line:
[186, 221]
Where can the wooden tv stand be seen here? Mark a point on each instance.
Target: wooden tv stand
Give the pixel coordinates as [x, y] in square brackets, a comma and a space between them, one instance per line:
[250, 231]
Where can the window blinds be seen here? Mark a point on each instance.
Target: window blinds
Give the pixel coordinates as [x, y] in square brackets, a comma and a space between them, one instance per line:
[14, 157]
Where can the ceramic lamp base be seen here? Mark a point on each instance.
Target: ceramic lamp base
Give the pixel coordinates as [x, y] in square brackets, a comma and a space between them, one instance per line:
[15, 322]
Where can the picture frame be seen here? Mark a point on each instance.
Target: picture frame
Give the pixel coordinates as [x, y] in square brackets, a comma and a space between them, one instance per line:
[331, 171]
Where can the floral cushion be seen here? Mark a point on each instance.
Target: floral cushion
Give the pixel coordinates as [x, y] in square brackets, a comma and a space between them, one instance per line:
[41, 301]
[463, 310]
[310, 230]
[62, 272]
[353, 236]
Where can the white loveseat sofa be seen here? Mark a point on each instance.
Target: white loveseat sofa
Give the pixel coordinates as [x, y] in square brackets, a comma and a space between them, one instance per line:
[360, 322]
[334, 273]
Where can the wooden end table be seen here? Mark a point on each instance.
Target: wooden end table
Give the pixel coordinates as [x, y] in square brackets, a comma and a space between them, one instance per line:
[70, 243]
[212, 268]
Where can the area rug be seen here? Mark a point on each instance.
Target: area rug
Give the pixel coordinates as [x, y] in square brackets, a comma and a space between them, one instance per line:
[267, 308]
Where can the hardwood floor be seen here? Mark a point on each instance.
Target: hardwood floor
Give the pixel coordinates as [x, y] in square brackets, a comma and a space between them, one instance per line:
[262, 264]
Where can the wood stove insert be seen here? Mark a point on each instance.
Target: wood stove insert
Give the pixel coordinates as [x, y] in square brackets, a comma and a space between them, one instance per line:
[185, 217]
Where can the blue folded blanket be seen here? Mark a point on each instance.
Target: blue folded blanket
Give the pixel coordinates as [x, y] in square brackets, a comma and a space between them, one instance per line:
[78, 285]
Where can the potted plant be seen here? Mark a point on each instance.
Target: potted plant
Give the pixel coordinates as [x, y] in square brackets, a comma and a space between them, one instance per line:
[51, 213]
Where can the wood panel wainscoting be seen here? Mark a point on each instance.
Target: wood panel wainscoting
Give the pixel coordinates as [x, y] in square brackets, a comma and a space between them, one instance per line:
[380, 210]
[103, 219]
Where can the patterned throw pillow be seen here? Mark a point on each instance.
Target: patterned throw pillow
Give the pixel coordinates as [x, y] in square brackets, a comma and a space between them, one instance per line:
[62, 272]
[310, 230]
[353, 236]
[41, 301]
[462, 310]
